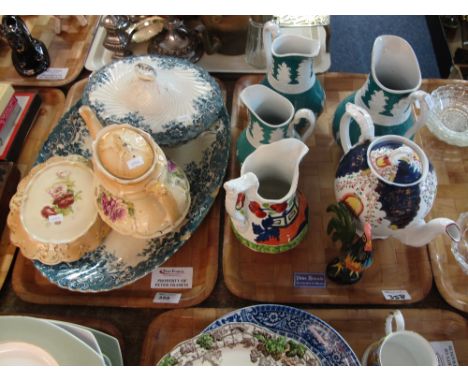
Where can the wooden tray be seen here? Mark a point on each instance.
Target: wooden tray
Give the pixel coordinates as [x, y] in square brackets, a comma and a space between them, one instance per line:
[451, 165]
[69, 49]
[200, 252]
[358, 327]
[269, 278]
[51, 109]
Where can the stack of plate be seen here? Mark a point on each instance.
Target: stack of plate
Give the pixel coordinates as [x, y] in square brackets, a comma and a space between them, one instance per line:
[264, 335]
[35, 342]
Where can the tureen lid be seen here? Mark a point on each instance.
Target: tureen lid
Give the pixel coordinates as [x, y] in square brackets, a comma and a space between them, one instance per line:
[57, 206]
[125, 153]
[170, 98]
[396, 162]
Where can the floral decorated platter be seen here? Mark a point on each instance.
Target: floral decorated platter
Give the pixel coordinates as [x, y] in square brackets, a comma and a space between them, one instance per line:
[240, 344]
[307, 329]
[121, 260]
[168, 97]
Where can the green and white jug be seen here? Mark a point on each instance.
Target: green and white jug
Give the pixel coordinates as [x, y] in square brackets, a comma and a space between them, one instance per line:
[390, 92]
[290, 70]
[271, 117]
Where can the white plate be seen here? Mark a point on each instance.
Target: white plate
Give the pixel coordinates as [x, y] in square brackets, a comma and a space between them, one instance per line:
[63, 347]
[108, 346]
[24, 354]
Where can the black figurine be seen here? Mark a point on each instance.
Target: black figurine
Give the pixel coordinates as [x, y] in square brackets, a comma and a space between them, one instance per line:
[29, 55]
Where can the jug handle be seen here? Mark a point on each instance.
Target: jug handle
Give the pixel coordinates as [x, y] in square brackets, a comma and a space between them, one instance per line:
[270, 31]
[307, 115]
[364, 121]
[166, 199]
[91, 121]
[423, 102]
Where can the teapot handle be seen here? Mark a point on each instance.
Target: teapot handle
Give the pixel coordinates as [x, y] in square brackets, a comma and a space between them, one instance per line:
[166, 199]
[270, 31]
[310, 117]
[423, 102]
[364, 121]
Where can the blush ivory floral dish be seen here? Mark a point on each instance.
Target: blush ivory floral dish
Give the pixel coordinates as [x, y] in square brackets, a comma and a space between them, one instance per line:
[119, 259]
[240, 344]
[52, 218]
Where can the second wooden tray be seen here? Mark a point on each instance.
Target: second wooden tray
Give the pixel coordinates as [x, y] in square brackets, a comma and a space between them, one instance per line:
[200, 253]
[451, 166]
[359, 328]
[270, 277]
[49, 113]
[67, 50]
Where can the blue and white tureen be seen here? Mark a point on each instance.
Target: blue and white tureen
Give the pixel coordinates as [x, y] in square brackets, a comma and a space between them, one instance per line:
[169, 98]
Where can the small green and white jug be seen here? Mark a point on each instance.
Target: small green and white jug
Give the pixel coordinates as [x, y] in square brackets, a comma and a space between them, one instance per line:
[271, 117]
[290, 70]
[390, 92]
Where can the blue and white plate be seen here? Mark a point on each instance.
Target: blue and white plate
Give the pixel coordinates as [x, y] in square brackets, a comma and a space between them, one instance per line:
[170, 98]
[317, 335]
[121, 260]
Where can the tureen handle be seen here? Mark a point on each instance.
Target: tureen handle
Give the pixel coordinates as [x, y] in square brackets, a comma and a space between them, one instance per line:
[270, 30]
[422, 101]
[364, 121]
[92, 123]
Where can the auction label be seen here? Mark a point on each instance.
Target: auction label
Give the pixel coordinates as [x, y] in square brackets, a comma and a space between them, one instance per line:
[135, 162]
[396, 295]
[167, 298]
[53, 74]
[309, 280]
[172, 278]
[445, 352]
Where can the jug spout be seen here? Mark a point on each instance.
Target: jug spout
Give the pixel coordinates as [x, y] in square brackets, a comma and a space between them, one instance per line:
[237, 192]
[395, 66]
[422, 233]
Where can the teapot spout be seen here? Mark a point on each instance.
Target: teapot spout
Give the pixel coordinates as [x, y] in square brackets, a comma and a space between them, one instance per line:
[91, 121]
[422, 233]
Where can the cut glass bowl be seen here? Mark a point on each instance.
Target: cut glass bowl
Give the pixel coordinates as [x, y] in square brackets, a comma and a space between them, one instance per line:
[448, 120]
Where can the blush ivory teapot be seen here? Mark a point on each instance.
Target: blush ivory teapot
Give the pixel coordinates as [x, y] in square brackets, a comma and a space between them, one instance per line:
[138, 191]
[389, 183]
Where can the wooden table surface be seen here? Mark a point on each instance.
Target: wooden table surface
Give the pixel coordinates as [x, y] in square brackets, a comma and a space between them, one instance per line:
[134, 323]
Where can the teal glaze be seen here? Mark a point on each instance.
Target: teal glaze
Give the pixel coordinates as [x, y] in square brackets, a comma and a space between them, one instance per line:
[390, 92]
[313, 99]
[260, 132]
[271, 117]
[383, 109]
[290, 69]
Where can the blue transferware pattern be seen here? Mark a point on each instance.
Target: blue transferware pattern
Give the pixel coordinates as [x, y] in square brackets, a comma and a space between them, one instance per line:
[299, 325]
[121, 260]
[199, 112]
